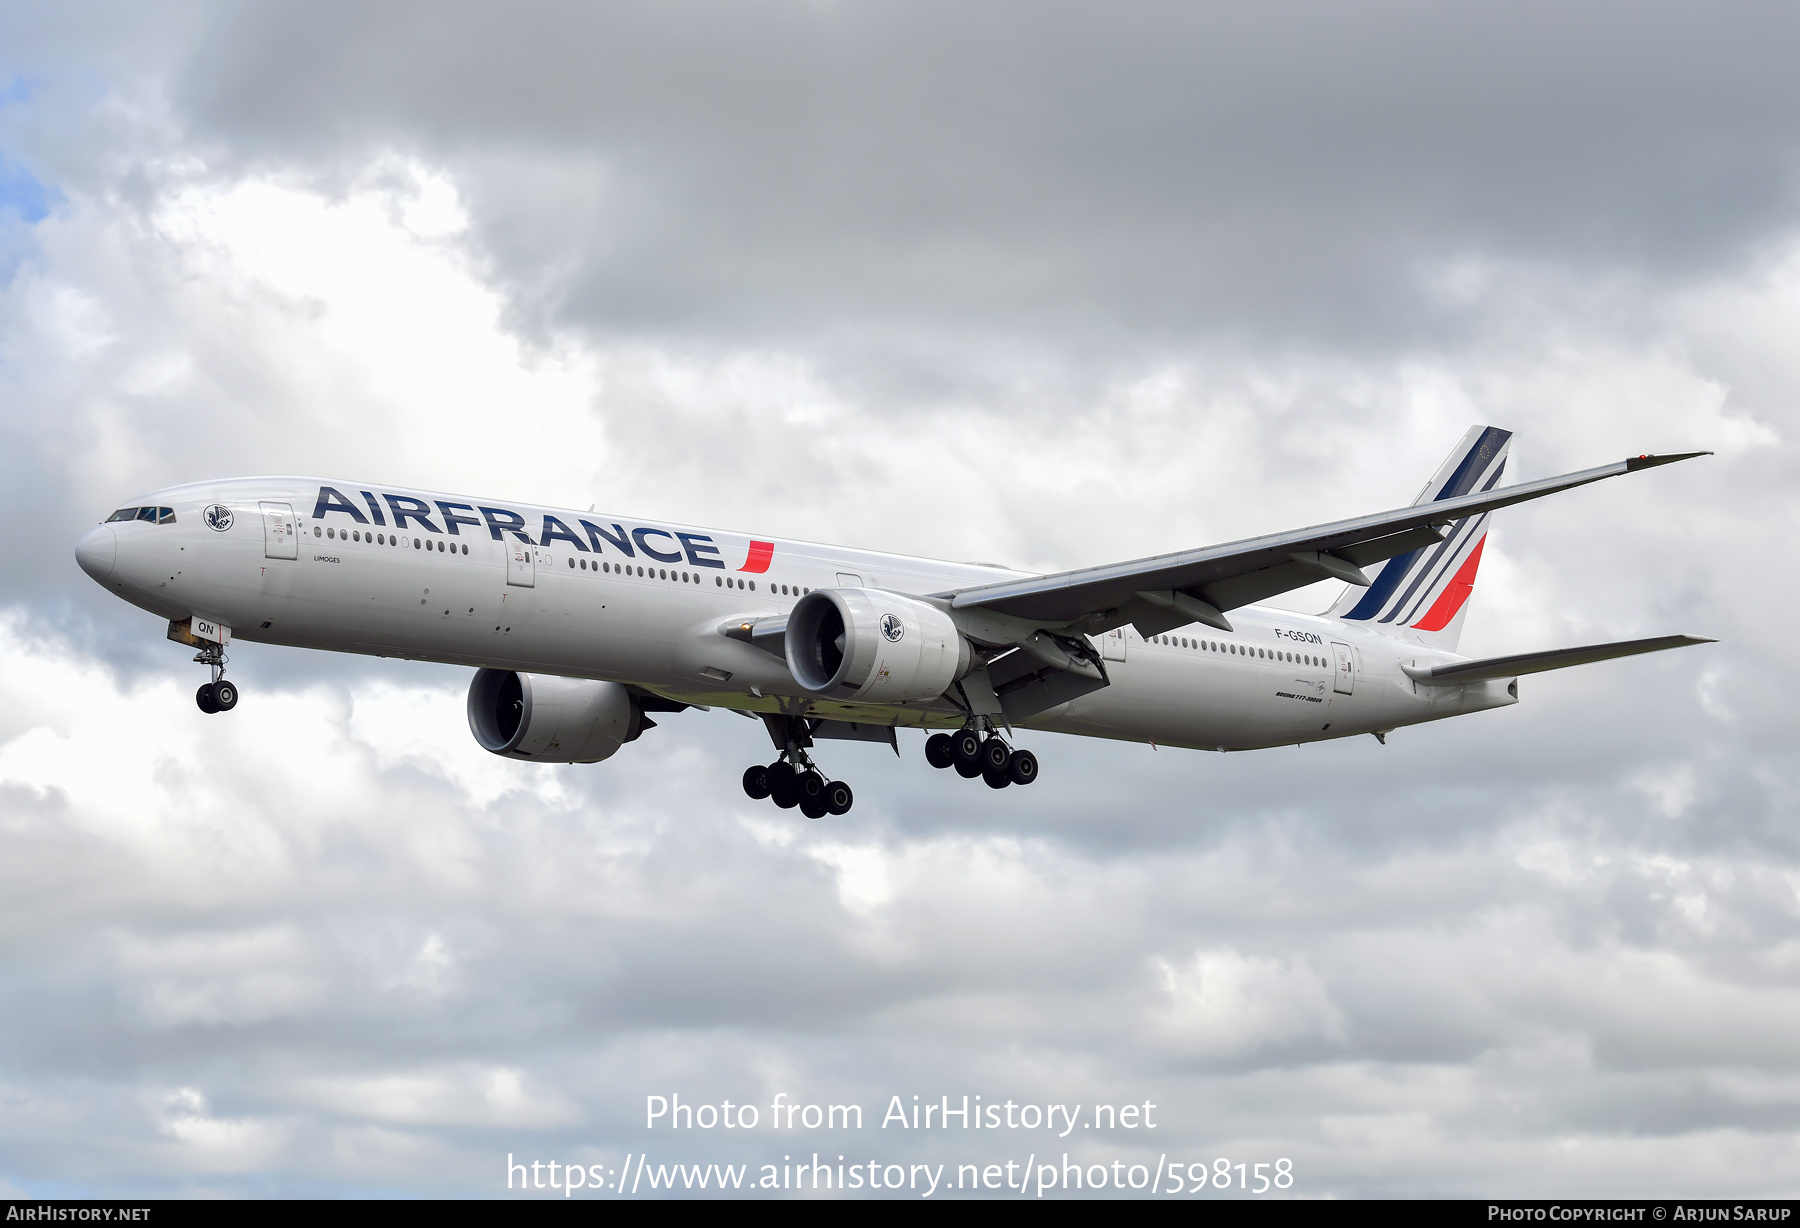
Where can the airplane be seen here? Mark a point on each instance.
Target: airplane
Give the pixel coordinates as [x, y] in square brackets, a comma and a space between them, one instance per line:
[579, 626]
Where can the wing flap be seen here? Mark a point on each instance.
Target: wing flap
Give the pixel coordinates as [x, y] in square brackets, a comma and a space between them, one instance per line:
[1538, 662]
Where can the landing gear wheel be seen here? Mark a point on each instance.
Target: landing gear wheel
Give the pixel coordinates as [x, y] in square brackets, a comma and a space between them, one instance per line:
[969, 770]
[204, 698]
[225, 695]
[1022, 767]
[756, 782]
[811, 785]
[996, 780]
[838, 798]
[784, 787]
[814, 808]
[940, 751]
[994, 754]
[965, 745]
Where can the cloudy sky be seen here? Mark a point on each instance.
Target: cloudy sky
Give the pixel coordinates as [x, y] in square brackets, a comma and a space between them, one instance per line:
[1045, 284]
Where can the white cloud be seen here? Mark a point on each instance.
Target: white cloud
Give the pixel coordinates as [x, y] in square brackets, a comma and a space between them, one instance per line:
[1223, 1002]
[327, 941]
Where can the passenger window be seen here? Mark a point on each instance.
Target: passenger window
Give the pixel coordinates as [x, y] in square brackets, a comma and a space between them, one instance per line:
[572, 563]
[316, 531]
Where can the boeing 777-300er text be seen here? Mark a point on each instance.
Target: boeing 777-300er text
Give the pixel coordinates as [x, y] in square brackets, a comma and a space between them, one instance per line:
[581, 625]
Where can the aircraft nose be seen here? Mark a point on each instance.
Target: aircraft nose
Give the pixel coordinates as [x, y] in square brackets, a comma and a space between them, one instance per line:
[96, 552]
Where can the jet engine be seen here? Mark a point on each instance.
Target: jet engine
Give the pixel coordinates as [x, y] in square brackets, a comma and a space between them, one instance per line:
[865, 644]
[551, 720]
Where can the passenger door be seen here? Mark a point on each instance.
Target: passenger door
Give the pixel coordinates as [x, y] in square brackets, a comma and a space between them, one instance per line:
[281, 536]
[521, 565]
[1112, 645]
[1345, 681]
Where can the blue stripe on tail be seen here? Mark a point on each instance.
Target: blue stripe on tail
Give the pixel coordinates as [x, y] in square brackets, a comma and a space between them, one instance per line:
[1460, 482]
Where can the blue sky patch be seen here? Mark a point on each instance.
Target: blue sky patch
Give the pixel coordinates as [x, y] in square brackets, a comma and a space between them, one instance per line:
[21, 192]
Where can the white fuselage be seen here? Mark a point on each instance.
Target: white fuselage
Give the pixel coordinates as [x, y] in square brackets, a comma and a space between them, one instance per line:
[600, 596]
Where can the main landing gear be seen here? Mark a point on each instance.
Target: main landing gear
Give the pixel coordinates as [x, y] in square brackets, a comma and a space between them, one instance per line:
[978, 750]
[217, 695]
[792, 780]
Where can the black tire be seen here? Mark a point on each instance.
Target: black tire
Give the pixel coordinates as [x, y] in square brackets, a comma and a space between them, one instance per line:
[784, 785]
[838, 798]
[965, 745]
[811, 785]
[225, 694]
[756, 782]
[1022, 767]
[968, 771]
[939, 751]
[994, 754]
[814, 808]
[997, 780]
[204, 698]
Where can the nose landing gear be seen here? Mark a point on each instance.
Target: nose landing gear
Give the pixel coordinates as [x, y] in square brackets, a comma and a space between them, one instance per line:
[217, 695]
[972, 754]
[793, 780]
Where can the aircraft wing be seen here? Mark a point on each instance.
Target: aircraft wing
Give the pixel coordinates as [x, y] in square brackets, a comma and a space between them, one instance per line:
[1171, 590]
[1459, 672]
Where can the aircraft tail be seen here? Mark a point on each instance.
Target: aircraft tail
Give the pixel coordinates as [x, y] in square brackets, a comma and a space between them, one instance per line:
[1423, 595]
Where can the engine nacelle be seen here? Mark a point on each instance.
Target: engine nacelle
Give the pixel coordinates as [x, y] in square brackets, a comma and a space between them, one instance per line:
[551, 720]
[865, 644]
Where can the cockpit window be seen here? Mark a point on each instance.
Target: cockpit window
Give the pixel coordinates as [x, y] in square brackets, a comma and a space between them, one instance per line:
[155, 515]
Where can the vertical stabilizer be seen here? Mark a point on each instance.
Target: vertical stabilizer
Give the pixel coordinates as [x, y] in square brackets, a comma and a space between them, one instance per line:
[1423, 595]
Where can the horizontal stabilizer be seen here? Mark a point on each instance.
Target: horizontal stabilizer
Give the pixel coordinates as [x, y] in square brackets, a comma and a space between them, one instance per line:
[1537, 662]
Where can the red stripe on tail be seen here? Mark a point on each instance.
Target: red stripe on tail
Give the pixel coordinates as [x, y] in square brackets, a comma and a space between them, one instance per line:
[1455, 593]
[760, 554]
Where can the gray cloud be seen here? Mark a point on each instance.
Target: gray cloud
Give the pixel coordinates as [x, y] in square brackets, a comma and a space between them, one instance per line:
[1139, 169]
